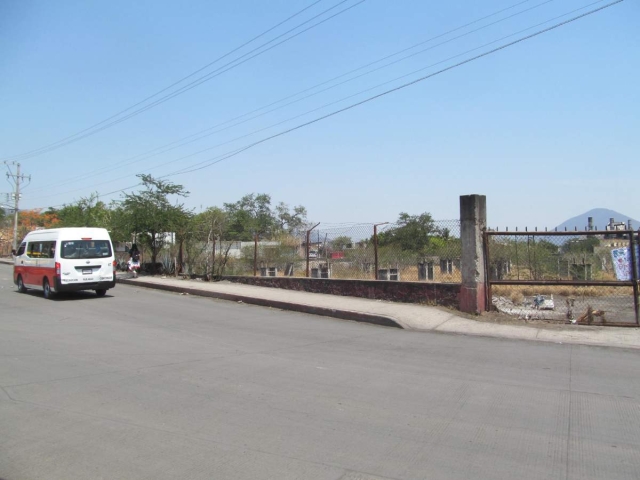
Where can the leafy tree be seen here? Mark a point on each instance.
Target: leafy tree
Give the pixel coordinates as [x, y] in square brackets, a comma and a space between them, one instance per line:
[29, 220]
[253, 215]
[580, 245]
[541, 258]
[86, 212]
[215, 220]
[149, 213]
[249, 216]
[293, 222]
[413, 233]
[341, 242]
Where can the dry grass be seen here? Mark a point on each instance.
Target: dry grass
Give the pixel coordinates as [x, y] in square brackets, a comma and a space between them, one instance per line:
[517, 298]
[519, 291]
[525, 274]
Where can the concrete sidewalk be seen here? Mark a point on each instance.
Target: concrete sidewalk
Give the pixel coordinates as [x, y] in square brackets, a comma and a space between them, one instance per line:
[407, 316]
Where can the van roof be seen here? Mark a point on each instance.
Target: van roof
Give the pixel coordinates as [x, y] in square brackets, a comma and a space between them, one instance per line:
[72, 232]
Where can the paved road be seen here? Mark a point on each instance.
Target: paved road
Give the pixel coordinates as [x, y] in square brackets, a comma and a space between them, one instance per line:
[150, 385]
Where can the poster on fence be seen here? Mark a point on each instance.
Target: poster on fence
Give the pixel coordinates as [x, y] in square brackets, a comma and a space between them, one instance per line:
[622, 262]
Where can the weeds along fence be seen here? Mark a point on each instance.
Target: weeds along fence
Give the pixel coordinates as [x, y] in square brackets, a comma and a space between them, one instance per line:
[579, 277]
[428, 251]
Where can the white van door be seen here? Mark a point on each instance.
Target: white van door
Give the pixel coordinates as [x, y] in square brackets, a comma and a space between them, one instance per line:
[85, 261]
[30, 261]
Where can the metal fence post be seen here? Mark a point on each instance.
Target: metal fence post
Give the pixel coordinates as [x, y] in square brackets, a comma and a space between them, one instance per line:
[375, 252]
[375, 248]
[487, 272]
[634, 274]
[307, 246]
[255, 255]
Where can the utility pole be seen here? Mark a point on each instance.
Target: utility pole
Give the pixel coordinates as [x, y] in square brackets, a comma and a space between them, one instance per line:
[17, 178]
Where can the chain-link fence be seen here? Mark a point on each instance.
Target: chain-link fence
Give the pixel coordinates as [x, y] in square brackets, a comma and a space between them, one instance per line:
[428, 251]
[387, 251]
[578, 277]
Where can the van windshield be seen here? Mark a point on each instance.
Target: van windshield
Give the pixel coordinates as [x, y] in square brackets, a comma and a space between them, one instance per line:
[85, 249]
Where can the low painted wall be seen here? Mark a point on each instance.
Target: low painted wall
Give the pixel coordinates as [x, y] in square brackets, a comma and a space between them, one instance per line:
[445, 294]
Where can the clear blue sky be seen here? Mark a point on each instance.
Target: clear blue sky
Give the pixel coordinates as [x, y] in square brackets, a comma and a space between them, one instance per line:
[547, 129]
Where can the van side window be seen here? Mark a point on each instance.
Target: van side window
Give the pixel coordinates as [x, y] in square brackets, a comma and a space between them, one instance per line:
[23, 247]
[47, 249]
[41, 249]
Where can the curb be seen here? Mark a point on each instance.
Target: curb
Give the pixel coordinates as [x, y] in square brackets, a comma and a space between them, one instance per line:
[380, 320]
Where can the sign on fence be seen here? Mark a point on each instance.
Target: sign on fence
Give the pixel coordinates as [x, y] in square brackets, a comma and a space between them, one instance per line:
[622, 262]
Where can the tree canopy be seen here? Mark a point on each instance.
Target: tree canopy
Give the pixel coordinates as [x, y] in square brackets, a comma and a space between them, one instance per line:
[341, 242]
[149, 213]
[86, 212]
[154, 216]
[413, 233]
[253, 215]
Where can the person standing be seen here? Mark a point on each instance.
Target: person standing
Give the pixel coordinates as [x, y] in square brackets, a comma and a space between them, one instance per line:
[134, 260]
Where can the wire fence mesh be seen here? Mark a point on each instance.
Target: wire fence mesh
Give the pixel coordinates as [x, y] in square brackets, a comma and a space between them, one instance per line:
[429, 251]
[579, 277]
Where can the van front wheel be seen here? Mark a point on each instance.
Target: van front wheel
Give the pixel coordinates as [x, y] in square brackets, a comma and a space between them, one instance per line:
[48, 294]
[21, 287]
[100, 293]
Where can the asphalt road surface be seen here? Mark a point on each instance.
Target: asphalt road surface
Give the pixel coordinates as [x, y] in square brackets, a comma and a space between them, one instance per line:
[143, 384]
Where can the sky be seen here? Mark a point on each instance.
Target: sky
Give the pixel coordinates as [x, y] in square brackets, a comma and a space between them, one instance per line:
[546, 128]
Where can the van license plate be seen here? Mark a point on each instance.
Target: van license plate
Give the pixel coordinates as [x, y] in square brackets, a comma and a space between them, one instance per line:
[87, 271]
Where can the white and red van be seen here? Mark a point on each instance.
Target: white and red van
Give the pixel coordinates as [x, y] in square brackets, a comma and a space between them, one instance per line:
[65, 260]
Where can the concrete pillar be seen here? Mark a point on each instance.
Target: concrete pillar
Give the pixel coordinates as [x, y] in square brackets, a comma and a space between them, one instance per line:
[473, 221]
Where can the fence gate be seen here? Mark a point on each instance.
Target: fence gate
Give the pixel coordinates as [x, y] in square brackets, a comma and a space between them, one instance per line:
[588, 277]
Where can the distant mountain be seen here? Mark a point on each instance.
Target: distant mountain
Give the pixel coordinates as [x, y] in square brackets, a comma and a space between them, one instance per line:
[601, 218]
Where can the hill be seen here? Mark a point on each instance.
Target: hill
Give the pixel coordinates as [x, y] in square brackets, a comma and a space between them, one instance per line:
[601, 218]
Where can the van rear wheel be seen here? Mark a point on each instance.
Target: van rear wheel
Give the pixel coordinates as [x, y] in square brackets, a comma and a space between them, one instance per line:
[46, 288]
[100, 293]
[21, 287]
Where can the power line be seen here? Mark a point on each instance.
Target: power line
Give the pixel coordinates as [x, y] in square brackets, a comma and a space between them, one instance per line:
[92, 130]
[374, 97]
[233, 153]
[39, 150]
[459, 64]
[154, 152]
[225, 155]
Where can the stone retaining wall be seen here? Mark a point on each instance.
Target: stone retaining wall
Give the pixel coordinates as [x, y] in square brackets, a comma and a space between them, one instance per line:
[445, 294]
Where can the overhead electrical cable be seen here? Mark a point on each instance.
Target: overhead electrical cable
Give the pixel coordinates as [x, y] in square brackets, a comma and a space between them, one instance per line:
[403, 86]
[100, 126]
[235, 152]
[173, 146]
[203, 165]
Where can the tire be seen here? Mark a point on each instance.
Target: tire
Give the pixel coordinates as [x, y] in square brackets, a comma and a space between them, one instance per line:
[21, 287]
[100, 292]
[46, 288]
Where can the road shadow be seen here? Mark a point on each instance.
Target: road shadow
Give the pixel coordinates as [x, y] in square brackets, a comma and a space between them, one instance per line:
[66, 296]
